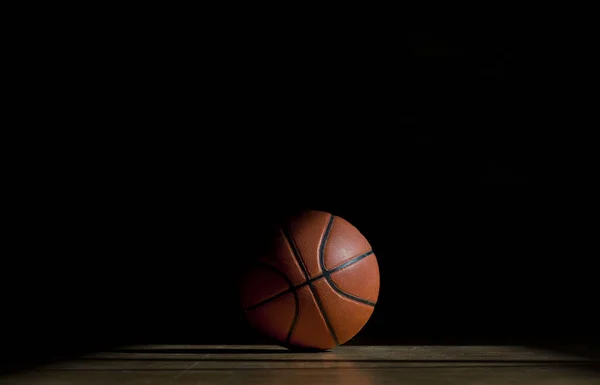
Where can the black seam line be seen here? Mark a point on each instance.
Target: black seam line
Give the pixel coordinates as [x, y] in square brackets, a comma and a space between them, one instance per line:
[296, 252]
[295, 320]
[321, 248]
[288, 236]
[273, 298]
[298, 257]
[290, 290]
[327, 273]
[348, 295]
[348, 263]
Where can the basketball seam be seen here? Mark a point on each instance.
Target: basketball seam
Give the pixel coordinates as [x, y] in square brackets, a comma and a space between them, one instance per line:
[327, 273]
[343, 266]
[313, 290]
[291, 290]
[349, 262]
[353, 297]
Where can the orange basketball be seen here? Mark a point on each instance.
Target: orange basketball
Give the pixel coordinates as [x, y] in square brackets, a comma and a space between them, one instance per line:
[318, 285]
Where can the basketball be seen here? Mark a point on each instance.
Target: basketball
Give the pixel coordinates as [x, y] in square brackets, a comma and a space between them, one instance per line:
[316, 286]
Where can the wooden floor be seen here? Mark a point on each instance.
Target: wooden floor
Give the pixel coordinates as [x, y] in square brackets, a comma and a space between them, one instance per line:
[345, 365]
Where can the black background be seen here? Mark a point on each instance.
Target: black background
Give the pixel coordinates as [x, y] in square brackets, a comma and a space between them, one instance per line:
[449, 148]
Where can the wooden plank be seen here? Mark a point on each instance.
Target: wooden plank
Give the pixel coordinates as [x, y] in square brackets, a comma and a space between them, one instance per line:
[347, 365]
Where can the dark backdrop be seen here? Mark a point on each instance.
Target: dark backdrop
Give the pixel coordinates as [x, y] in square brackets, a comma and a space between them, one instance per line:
[440, 145]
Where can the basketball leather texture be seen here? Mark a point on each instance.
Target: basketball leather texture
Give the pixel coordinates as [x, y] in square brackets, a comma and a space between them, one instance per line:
[318, 285]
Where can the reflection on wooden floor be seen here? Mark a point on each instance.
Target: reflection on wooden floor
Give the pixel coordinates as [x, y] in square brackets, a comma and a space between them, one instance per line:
[345, 365]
